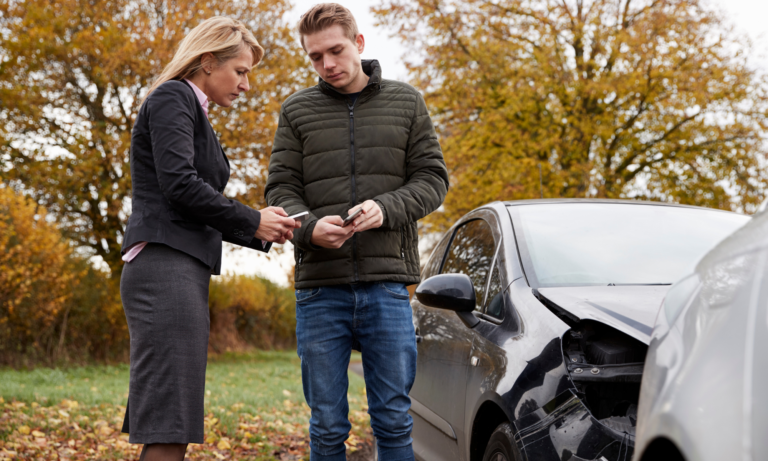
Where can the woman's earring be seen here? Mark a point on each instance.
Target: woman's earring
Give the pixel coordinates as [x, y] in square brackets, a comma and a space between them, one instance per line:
[208, 72]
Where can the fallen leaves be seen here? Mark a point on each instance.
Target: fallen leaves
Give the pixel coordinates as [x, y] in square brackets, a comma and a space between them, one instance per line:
[71, 431]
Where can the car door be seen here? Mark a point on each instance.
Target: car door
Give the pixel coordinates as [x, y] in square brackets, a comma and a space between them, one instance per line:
[444, 351]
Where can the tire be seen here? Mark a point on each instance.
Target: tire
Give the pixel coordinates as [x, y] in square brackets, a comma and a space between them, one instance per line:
[501, 446]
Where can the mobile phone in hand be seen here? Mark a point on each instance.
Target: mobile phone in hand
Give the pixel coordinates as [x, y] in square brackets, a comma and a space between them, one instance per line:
[348, 220]
[300, 217]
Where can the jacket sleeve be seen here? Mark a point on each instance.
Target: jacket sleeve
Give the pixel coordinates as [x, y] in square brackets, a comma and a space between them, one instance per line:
[285, 181]
[426, 175]
[171, 117]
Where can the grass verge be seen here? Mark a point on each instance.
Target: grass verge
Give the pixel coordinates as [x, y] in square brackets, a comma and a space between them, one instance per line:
[255, 410]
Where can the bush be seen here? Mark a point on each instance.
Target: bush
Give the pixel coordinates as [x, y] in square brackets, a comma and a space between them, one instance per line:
[248, 311]
[37, 279]
[94, 326]
[55, 307]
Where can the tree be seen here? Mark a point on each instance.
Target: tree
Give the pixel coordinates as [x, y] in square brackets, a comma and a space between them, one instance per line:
[72, 77]
[37, 274]
[647, 99]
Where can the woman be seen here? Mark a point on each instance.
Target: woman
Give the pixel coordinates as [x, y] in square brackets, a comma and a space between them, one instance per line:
[173, 239]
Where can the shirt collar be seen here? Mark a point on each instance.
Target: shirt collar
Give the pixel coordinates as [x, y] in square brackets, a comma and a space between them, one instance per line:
[201, 97]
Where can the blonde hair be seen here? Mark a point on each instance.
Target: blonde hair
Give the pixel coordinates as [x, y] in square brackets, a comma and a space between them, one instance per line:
[325, 15]
[225, 38]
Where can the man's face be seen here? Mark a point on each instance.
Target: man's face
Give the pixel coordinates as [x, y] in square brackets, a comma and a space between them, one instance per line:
[336, 59]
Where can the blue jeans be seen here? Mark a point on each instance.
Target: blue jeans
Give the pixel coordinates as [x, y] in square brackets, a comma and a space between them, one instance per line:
[377, 316]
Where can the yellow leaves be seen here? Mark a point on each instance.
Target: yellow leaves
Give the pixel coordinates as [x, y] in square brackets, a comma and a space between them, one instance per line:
[103, 429]
[286, 393]
[92, 182]
[71, 404]
[352, 442]
[521, 98]
[223, 444]
[38, 439]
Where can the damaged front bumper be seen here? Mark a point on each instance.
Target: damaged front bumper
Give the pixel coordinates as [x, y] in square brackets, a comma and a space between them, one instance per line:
[564, 429]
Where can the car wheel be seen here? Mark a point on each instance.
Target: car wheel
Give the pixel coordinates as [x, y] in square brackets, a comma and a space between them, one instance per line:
[501, 446]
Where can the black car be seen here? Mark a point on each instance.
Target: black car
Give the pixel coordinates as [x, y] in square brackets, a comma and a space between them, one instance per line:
[533, 320]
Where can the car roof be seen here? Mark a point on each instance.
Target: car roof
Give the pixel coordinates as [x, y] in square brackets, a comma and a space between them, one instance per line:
[600, 201]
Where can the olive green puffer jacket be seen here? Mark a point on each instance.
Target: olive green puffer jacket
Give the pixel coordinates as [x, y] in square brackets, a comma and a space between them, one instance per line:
[330, 155]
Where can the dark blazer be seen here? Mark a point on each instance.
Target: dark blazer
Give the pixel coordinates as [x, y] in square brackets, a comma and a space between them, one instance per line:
[178, 172]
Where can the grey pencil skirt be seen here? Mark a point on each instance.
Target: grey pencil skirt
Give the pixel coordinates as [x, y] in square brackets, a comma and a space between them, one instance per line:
[165, 298]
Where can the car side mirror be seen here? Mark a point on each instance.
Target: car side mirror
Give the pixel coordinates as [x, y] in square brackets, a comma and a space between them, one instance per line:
[453, 292]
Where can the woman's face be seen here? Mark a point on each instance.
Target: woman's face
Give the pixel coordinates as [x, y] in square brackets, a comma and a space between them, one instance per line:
[226, 81]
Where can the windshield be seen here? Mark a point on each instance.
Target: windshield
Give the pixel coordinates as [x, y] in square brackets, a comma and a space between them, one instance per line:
[615, 244]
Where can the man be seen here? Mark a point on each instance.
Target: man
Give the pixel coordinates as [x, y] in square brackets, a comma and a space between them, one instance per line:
[355, 141]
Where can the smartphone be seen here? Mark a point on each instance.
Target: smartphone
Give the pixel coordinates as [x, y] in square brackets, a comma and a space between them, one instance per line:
[352, 217]
[300, 217]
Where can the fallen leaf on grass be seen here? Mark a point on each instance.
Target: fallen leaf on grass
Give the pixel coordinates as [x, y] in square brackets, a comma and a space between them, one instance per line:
[92, 432]
[223, 445]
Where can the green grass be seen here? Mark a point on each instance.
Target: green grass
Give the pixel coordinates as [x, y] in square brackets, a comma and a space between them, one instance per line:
[255, 410]
[260, 383]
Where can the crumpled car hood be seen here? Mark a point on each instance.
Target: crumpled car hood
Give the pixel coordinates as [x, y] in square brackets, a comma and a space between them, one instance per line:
[629, 309]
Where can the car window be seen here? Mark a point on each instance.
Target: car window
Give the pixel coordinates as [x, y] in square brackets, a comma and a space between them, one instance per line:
[494, 302]
[471, 252]
[583, 244]
[436, 259]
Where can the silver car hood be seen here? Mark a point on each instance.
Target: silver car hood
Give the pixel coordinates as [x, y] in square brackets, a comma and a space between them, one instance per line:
[629, 309]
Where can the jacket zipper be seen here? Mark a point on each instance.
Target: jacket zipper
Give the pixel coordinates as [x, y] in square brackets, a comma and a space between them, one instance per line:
[402, 242]
[354, 198]
[298, 265]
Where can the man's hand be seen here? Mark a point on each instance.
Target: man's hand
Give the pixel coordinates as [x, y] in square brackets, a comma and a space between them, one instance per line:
[328, 232]
[275, 226]
[370, 218]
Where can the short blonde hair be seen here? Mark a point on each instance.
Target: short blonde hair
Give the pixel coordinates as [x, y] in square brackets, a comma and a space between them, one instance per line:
[325, 15]
[223, 37]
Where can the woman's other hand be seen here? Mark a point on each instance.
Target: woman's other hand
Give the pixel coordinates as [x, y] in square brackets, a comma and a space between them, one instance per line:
[275, 226]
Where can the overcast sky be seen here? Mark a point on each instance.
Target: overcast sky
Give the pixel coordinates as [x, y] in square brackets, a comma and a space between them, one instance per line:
[749, 17]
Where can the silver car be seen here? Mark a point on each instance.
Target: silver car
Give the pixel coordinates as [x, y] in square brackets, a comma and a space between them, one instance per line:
[704, 395]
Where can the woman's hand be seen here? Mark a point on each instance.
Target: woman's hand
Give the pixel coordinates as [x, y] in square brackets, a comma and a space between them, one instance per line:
[275, 226]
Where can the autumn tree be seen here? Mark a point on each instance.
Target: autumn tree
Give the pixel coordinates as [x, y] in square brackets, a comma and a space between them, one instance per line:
[72, 76]
[647, 99]
[37, 274]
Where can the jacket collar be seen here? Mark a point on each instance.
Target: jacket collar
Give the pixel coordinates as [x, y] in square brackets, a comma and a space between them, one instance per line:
[372, 69]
